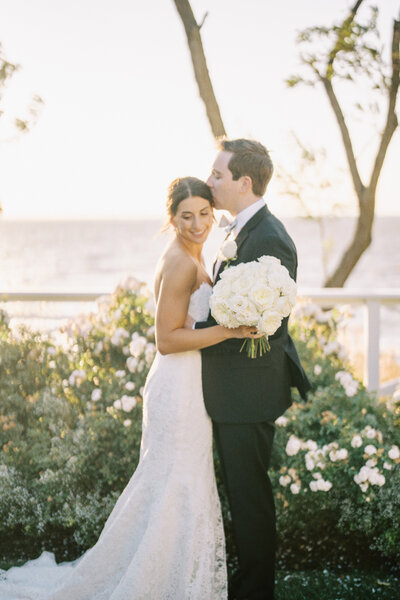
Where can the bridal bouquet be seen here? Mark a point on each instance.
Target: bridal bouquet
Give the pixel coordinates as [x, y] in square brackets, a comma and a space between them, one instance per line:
[259, 293]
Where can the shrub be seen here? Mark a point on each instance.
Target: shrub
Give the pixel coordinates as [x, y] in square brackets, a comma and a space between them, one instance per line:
[70, 426]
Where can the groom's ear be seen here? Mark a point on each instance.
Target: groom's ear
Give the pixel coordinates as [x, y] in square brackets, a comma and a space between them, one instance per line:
[246, 184]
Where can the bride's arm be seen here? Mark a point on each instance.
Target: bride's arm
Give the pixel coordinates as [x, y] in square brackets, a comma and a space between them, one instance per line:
[178, 282]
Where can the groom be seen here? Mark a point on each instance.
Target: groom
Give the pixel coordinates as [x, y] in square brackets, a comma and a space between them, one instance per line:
[244, 396]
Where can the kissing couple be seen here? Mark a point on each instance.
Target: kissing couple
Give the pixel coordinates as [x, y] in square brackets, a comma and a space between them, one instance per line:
[164, 539]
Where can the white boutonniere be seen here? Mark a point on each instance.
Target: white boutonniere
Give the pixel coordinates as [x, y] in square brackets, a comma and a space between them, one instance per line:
[228, 251]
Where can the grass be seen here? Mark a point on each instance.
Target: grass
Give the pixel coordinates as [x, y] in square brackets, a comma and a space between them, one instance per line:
[329, 585]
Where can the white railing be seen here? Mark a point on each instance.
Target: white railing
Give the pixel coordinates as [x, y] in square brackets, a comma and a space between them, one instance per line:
[326, 297]
[372, 302]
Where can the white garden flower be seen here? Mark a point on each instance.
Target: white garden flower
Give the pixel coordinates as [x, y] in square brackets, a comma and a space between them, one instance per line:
[364, 486]
[387, 466]
[149, 352]
[320, 485]
[311, 445]
[121, 373]
[77, 377]
[127, 423]
[370, 433]
[356, 442]
[96, 395]
[137, 345]
[342, 454]
[127, 403]
[281, 421]
[284, 480]
[130, 386]
[295, 488]
[117, 404]
[293, 445]
[317, 370]
[370, 449]
[310, 464]
[132, 364]
[394, 452]
[118, 336]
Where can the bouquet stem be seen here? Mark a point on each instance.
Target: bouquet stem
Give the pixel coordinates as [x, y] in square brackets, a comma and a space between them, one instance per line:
[256, 347]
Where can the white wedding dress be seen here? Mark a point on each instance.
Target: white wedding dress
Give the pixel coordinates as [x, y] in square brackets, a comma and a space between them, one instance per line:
[164, 538]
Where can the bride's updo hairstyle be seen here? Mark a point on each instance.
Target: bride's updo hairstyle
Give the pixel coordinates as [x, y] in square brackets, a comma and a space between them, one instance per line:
[182, 188]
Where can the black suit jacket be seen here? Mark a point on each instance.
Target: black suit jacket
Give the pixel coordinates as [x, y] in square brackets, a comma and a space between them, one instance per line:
[238, 388]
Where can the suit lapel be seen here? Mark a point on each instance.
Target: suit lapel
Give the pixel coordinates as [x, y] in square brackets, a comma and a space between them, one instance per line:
[243, 234]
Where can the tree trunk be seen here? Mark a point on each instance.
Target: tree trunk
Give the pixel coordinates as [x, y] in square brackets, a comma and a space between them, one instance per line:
[201, 73]
[361, 240]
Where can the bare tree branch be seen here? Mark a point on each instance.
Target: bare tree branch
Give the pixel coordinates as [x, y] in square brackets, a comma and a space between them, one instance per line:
[201, 73]
[391, 119]
[358, 185]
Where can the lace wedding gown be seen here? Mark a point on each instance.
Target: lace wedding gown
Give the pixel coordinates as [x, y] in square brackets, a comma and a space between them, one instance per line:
[164, 538]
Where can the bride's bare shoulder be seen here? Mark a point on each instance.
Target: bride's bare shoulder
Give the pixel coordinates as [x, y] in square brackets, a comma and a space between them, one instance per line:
[175, 267]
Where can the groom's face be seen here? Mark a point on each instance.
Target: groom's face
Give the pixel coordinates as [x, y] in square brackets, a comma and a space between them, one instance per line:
[224, 189]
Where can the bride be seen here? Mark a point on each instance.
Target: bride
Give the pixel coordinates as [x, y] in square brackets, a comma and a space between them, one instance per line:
[164, 538]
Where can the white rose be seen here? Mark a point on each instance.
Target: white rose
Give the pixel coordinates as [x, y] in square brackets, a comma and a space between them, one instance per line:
[356, 442]
[269, 322]
[120, 373]
[132, 363]
[117, 404]
[228, 250]
[370, 449]
[118, 336]
[281, 421]
[284, 480]
[128, 403]
[294, 488]
[130, 386]
[283, 306]
[127, 423]
[263, 296]
[394, 452]
[96, 395]
[317, 370]
[324, 486]
[313, 486]
[137, 346]
[293, 445]
[310, 464]
[269, 260]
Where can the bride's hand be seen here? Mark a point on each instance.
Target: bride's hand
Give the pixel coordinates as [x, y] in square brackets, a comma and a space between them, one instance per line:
[245, 331]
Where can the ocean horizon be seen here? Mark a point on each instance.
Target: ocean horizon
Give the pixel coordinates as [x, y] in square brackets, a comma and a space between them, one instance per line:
[96, 255]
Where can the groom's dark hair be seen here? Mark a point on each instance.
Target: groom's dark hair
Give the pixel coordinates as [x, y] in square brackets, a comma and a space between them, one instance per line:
[249, 158]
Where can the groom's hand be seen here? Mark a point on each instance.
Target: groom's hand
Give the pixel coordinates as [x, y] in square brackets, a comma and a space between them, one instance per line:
[188, 322]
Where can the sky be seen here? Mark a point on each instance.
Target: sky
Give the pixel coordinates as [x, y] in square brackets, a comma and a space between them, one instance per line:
[122, 115]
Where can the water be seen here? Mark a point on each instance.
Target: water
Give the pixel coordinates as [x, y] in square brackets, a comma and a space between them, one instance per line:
[94, 256]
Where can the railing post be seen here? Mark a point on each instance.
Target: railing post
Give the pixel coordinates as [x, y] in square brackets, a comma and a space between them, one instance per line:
[371, 343]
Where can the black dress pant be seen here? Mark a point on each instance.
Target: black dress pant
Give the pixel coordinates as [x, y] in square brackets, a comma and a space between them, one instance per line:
[244, 450]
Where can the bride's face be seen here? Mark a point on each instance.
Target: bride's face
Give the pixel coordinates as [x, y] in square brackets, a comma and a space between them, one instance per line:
[193, 219]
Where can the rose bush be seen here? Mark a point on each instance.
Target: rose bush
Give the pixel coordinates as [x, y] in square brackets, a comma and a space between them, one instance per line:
[70, 426]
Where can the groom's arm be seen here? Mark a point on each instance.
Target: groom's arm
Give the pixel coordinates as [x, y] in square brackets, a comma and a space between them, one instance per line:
[192, 324]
